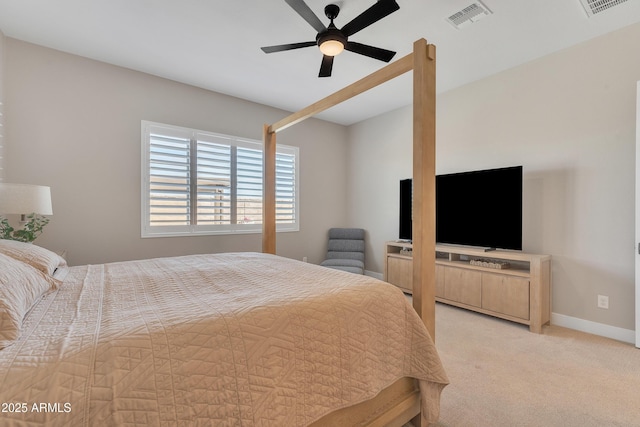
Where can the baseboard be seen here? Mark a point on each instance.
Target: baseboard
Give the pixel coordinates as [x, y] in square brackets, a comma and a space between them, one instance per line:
[378, 276]
[613, 332]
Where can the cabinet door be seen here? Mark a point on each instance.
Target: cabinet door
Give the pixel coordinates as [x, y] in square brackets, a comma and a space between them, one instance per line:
[463, 285]
[506, 294]
[400, 273]
[440, 280]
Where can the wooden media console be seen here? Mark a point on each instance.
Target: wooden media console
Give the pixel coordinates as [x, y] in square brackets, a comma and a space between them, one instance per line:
[508, 284]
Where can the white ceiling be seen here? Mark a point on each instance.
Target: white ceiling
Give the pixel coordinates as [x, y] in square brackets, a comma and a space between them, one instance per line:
[215, 44]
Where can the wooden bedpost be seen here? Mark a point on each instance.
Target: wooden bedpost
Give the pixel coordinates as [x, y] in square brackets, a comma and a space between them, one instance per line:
[269, 192]
[424, 189]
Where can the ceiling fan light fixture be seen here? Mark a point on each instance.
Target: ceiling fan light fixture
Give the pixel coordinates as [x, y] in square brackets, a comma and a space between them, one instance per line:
[331, 47]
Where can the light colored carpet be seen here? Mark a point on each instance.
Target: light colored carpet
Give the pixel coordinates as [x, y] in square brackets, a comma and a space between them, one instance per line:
[503, 375]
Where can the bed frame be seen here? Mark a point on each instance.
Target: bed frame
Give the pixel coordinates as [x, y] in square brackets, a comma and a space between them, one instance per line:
[400, 402]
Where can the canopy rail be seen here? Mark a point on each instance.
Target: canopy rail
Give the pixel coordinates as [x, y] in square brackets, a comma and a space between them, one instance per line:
[389, 72]
[422, 62]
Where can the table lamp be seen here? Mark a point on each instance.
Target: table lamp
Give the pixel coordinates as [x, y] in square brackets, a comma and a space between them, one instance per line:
[28, 201]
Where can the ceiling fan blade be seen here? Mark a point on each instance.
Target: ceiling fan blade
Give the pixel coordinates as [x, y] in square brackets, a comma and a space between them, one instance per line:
[370, 51]
[326, 66]
[375, 13]
[283, 47]
[307, 14]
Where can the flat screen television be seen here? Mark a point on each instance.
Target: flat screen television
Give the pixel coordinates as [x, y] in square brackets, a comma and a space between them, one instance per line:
[478, 208]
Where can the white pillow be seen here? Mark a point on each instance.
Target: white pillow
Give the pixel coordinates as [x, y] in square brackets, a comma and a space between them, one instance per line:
[21, 286]
[36, 256]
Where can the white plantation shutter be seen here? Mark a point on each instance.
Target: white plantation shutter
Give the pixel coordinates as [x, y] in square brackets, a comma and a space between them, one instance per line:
[203, 183]
[169, 177]
[285, 188]
[213, 187]
[249, 173]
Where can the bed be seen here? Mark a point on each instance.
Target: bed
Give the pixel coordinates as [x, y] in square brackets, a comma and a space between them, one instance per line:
[225, 339]
[229, 339]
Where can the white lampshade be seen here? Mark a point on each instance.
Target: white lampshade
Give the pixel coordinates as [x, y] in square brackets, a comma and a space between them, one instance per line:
[24, 199]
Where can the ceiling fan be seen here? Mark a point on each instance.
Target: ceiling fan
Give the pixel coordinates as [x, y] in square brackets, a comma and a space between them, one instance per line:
[332, 40]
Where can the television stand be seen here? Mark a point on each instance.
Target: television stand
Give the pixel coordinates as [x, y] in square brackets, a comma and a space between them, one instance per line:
[511, 285]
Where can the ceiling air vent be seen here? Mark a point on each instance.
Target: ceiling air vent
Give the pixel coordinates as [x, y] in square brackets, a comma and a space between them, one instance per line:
[470, 14]
[593, 7]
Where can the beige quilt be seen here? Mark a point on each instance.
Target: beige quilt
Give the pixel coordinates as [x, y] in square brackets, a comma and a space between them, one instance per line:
[239, 339]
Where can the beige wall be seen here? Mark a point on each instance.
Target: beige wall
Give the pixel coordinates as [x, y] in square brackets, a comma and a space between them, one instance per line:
[74, 124]
[569, 119]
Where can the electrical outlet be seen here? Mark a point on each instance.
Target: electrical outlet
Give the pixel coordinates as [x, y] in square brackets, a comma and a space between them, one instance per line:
[304, 259]
[603, 301]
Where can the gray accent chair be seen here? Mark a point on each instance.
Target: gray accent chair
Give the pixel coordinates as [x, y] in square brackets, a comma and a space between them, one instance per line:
[345, 250]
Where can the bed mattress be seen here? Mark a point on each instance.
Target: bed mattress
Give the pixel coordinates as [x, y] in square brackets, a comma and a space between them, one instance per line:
[229, 339]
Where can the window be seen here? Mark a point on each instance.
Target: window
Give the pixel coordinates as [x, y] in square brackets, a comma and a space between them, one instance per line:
[196, 183]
